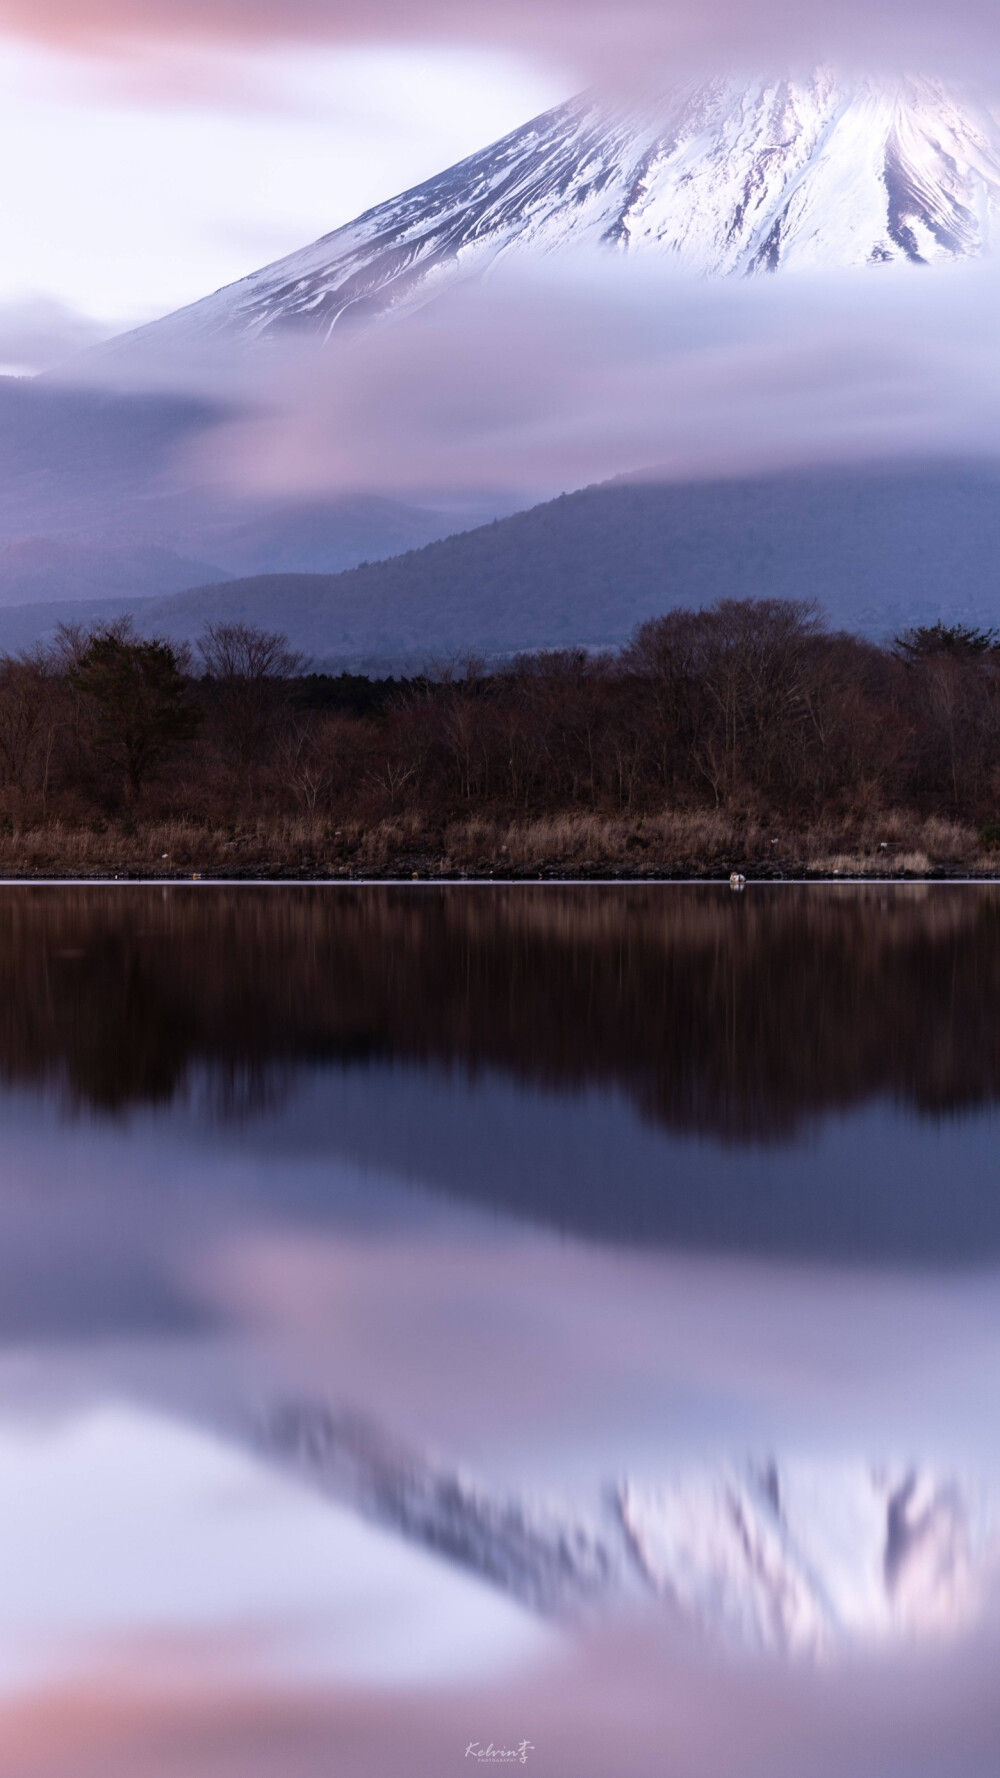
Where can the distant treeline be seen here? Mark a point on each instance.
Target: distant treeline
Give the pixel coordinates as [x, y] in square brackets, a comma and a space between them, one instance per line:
[748, 707]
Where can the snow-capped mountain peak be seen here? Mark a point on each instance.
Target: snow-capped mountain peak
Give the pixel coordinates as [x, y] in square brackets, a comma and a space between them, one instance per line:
[725, 178]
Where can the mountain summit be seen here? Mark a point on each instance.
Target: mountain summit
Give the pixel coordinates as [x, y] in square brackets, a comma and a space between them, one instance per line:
[724, 178]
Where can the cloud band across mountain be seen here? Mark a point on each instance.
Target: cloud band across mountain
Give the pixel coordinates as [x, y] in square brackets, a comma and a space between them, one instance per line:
[549, 381]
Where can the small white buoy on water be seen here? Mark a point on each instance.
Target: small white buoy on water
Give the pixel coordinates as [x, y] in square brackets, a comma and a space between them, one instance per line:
[736, 881]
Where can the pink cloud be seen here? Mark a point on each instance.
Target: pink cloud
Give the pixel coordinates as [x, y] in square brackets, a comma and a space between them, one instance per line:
[587, 35]
[552, 381]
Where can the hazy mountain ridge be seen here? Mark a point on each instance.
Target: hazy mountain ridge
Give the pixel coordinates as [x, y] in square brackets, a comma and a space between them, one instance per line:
[97, 569]
[878, 548]
[99, 501]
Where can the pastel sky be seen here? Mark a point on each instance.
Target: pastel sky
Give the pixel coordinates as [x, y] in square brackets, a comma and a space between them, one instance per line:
[127, 191]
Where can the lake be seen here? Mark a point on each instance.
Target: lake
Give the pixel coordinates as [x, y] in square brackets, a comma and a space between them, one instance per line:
[478, 1325]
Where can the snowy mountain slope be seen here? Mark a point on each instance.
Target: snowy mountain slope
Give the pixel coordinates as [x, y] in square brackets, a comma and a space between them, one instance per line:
[723, 178]
[795, 1558]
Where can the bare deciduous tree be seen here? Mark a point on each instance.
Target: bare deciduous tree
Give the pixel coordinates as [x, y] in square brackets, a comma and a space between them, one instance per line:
[248, 669]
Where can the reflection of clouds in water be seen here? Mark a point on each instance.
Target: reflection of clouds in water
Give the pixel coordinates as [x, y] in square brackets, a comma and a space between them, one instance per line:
[541, 1359]
[634, 1699]
[448, 1321]
[387, 1142]
[556, 1369]
[618, 1708]
[123, 1529]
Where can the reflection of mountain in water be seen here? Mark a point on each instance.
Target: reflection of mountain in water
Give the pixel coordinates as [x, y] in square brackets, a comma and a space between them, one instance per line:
[740, 1018]
[793, 1558]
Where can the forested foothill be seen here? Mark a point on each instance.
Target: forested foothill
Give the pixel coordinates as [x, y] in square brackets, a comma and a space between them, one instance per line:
[745, 734]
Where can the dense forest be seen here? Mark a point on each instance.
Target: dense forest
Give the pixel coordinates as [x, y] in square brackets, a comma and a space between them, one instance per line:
[745, 731]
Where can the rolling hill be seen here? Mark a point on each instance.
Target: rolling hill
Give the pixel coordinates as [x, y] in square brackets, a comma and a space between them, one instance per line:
[878, 548]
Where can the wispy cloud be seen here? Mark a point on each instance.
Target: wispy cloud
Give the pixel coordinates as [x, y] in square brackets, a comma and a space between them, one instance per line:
[37, 333]
[577, 33]
[554, 377]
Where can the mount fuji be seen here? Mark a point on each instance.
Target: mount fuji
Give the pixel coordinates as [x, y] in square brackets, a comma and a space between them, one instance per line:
[724, 178]
[728, 179]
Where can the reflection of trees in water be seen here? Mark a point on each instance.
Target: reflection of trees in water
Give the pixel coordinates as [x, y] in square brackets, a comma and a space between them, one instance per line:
[228, 1092]
[729, 1015]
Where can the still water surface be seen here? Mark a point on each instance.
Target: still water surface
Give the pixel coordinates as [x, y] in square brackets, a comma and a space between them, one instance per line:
[438, 1317]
